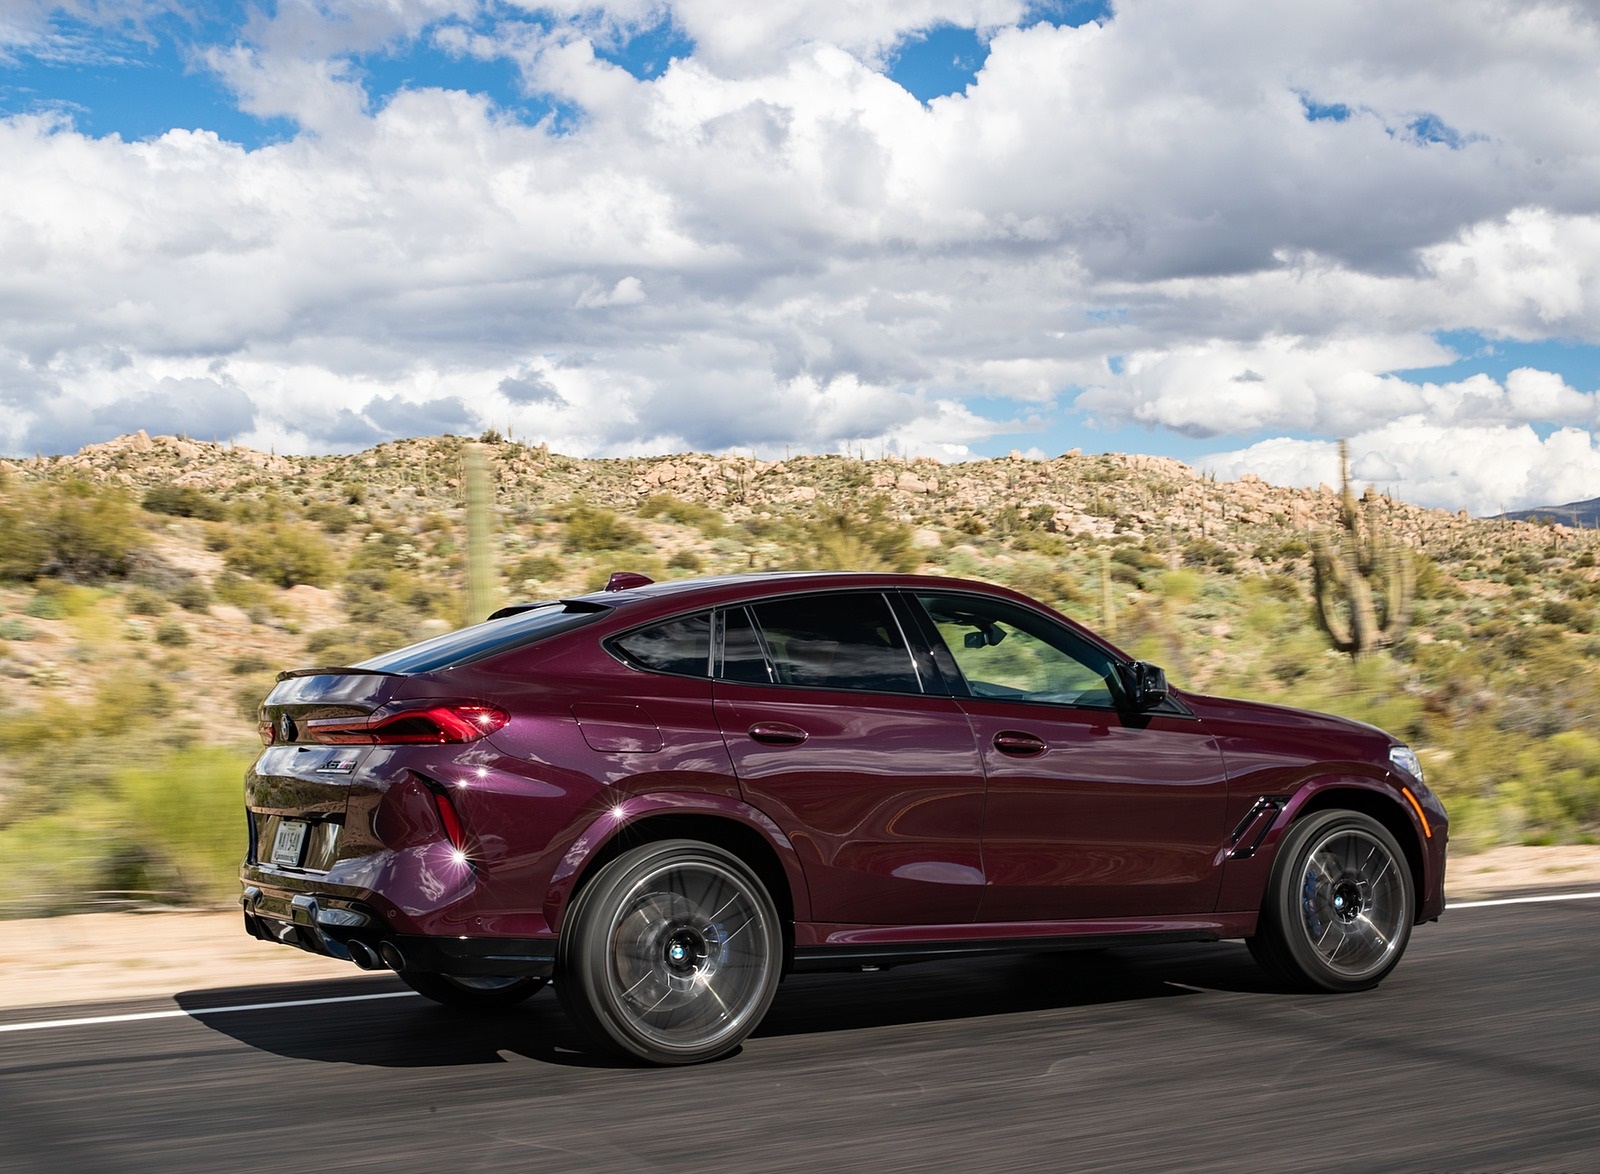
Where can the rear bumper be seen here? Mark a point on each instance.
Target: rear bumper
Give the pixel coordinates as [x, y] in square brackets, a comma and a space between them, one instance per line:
[350, 931]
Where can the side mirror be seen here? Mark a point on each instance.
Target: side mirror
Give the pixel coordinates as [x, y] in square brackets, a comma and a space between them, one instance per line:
[1147, 684]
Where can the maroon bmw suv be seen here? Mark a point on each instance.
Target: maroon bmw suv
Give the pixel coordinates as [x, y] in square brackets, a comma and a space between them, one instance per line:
[665, 796]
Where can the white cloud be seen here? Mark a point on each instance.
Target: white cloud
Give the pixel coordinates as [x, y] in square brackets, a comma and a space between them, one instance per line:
[773, 243]
[1487, 469]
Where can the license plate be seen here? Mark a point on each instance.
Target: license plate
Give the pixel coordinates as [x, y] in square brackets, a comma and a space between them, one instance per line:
[289, 842]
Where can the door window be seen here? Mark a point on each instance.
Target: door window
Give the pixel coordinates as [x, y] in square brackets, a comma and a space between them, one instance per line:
[848, 641]
[1005, 652]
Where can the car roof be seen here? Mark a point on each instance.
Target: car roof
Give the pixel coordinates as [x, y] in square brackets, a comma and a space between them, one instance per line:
[752, 584]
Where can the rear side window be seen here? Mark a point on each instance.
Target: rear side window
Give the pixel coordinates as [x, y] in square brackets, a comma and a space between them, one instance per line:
[848, 641]
[681, 645]
[486, 639]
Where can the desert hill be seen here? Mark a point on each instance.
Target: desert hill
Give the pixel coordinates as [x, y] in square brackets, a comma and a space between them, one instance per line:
[150, 587]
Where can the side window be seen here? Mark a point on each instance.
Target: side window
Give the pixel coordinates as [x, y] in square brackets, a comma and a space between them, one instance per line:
[1008, 653]
[849, 641]
[741, 657]
[681, 645]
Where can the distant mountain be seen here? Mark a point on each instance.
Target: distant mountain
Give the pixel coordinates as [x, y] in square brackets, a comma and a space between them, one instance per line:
[1578, 514]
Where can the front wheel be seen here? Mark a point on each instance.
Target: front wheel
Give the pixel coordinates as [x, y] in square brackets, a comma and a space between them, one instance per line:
[473, 994]
[1339, 905]
[671, 954]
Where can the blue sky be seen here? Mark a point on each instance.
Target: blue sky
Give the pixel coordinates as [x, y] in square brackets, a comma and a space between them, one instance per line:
[1227, 232]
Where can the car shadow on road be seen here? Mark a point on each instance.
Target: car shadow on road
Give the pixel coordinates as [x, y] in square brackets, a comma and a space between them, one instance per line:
[1007, 985]
[410, 1032]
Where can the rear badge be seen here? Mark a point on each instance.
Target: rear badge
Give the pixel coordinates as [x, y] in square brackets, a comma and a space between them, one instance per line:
[286, 728]
[338, 766]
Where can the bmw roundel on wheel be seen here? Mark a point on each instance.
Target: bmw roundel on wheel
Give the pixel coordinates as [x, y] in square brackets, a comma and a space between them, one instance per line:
[663, 797]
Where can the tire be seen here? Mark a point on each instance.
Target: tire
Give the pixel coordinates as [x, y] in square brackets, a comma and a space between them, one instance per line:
[671, 954]
[1339, 905]
[472, 994]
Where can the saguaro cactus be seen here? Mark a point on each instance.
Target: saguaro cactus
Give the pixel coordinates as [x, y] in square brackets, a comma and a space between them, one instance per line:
[480, 562]
[1108, 605]
[1363, 577]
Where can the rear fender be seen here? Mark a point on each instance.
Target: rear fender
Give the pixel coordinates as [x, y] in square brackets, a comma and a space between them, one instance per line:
[633, 820]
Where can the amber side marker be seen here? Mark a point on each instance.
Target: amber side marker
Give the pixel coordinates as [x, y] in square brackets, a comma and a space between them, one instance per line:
[1417, 807]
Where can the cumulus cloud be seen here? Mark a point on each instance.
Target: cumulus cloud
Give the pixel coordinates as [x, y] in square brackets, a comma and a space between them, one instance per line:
[1486, 469]
[1225, 219]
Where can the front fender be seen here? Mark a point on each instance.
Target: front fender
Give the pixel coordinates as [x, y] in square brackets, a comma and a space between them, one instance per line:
[1244, 880]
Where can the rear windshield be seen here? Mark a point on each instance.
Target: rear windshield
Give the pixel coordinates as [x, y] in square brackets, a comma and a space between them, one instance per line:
[480, 640]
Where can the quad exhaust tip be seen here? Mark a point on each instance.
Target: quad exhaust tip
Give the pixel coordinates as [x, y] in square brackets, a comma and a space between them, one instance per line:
[364, 956]
[392, 957]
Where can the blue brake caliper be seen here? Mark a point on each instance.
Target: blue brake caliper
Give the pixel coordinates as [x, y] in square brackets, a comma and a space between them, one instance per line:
[1308, 904]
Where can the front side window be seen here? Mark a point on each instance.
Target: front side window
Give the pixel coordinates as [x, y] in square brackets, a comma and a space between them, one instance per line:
[1008, 653]
[848, 641]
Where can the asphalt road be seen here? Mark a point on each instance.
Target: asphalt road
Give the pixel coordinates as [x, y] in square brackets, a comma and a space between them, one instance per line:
[1481, 1053]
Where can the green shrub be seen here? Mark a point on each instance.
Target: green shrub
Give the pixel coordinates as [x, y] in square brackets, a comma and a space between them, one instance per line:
[44, 606]
[591, 528]
[537, 567]
[1040, 542]
[1203, 552]
[143, 602]
[686, 560]
[282, 553]
[13, 629]
[192, 596]
[184, 501]
[333, 516]
[172, 634]
[187, 812]
[702, 517]
[857, 540]
[72, 530]
[248, 663]
[249, 596]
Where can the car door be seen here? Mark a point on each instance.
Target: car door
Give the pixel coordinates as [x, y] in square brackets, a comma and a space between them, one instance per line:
[875, 780]
[1093, 810]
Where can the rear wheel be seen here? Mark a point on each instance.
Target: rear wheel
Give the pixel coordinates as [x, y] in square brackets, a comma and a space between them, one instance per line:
[478, 994]
[1339, 905]
[671, 954]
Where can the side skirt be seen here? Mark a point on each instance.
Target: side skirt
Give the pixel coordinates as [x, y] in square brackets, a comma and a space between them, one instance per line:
[878, 947]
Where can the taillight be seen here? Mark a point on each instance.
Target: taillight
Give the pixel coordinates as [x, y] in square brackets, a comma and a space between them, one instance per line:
[451, 821]
[433, 724]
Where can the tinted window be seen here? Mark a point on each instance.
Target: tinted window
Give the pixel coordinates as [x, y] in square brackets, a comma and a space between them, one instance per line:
[1009, 653]
[480, 640]
[837, 642]
[681, 645]
[743, 658]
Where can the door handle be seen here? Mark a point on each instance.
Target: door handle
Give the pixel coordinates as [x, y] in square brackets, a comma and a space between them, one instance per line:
[1019, 745]
[778, 733]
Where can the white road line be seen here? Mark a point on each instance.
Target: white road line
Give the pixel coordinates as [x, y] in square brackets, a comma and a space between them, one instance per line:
[44, 1024]
[1523, 900]
[198, 1011]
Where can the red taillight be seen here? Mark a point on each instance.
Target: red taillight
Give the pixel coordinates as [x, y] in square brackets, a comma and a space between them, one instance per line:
[451, 821]
[435, 725]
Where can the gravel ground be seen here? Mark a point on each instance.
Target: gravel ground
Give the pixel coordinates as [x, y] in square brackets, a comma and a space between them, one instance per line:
[99, 957]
